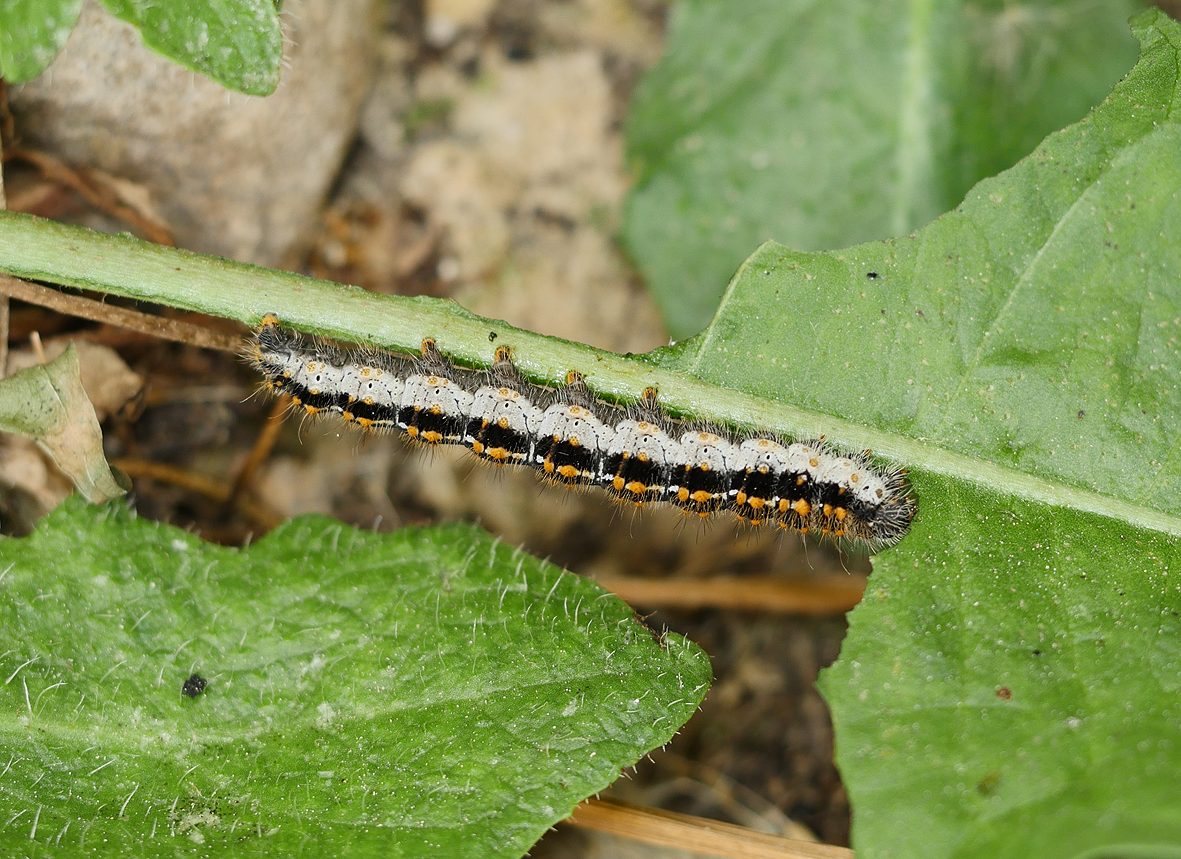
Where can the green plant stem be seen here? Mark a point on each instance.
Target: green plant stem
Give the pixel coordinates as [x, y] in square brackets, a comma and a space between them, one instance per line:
[123, 265]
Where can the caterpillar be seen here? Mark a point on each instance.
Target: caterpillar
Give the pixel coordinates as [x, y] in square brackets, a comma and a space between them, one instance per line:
[638, 453]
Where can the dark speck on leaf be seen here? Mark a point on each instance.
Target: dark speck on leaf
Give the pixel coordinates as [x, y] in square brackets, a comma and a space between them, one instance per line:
[987, 785]
[1082, 413]
[872, 275]
[194, 686]
[491, 336]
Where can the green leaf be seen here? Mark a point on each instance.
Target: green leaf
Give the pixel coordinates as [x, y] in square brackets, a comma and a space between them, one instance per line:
[31, 34]
[1036, 327]
[825, 124]
[424, 693]
[238, 43]
[1010, 682]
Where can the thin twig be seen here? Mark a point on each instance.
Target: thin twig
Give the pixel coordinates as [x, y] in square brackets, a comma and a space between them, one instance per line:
[262, 447]
[695, 834]
[95, 189]
[198, 483]
[831, 595]
[153, 326]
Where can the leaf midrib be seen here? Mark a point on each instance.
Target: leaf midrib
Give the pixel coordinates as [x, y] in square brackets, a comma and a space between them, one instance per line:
[237, 291]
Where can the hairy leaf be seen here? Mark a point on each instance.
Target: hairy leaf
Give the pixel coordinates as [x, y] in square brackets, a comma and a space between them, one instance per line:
[424, 693]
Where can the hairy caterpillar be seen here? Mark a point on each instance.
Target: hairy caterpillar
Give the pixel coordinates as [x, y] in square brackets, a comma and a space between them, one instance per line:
[638, 454]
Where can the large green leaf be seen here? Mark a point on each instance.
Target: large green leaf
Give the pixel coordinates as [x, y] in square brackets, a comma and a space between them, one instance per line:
[1035, 327]
[824, 124]
[424, 693]
[1010, 684]
[31, 34]
[238, 43]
